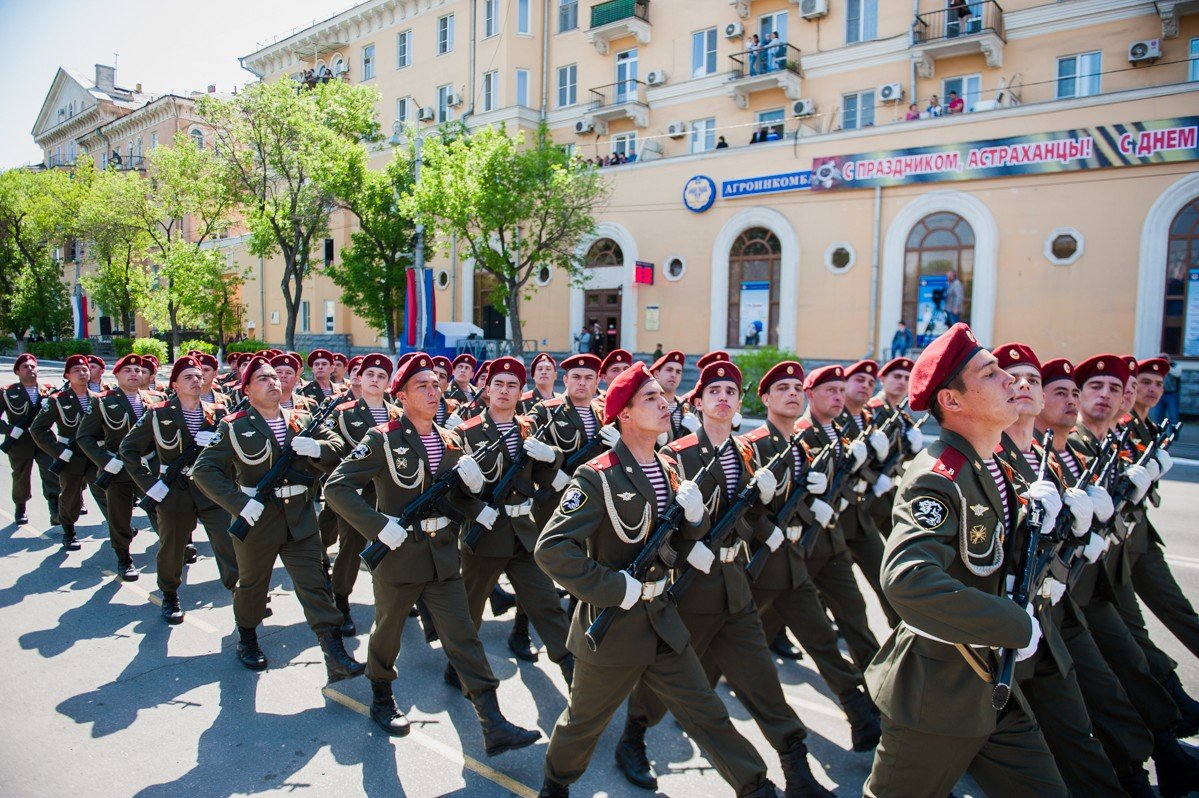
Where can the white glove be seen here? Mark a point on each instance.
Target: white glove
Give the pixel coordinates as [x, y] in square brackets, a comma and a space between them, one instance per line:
[114, 466]
[632, 591]
[1138, 475]
[1082, 508]
[775, 540]
[767, 484]
[843, 505]
[1094, 549]
[1027, 651]
[823, 512]
[915, 438]
[737, 419]
[453, 421]
[858, 451]
[15, 433]
[1056, 590]
[701, 557]
[689, 422]
[880, 444]
[252, 511]
[1162, 456]
[881, 485]
[305, 447]
[66, 455]
[204, 438]
[1046, 493]
[794, 533]
[691, 500]
[609, 434]
[1102, 502]
[471, 474]
[1154, 468]
[393, 535]
[539, 450]
[817, 482]
[487, 516]
[158, 491]
[561, 480]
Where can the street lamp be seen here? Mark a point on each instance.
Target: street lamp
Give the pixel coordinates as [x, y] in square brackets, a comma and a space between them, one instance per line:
[418, 244]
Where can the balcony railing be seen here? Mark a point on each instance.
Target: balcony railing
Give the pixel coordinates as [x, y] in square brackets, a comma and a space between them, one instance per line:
[617, 10]
[766, 59]
[959, 21]
[625, 92]
[127, 163]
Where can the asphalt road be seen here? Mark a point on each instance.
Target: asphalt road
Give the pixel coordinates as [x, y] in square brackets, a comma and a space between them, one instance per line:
[101, 697]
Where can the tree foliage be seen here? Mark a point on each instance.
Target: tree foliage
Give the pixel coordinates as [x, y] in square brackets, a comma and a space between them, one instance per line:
[111, 222]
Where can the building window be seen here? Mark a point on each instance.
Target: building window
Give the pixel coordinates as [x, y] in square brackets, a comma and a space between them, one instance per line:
[197, 137]
[1078, 75]
[404, 110]
[568, 85]
[522, 87]
[1182, 258]
[771, 124]
[73, 149]
[404, 49]
[625, 144]
[443, 102]
[940, 243]
[445, 34]
[1063, 246]
[675, 267]
[755, 266]
[1193, 66]
[968, 87]
[368, 62]
[703, 135]
[523, 21]
[328, 315]
[568, 15]
[491, 18]
[490, 86]
[305, 316]
[839, 257]
[154, 140]
[861, 20]
[703, 52]
[857, 110]
[604, 252]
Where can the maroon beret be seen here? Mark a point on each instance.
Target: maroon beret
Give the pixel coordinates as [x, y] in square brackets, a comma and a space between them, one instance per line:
[862, 367]
[615, 358]
[547, 357]
[1154, 365]
[1015, 354]
[623, 388]
[355, 362]
[712, 357]
[442, 362]
[206, 359]
[720, 371]
[673, 356]
[288, 360]
[1057, 369]
[72, 362]
[130, 360]
[96, 360]
[940, 362]
[506, 365]
[583, 361]
[1107, 365]
[465, 358]
[378, 360]
[182, 364]
[820, 376]
[787, 370]
[319, 354]
[896, 364]
[338, 357]
[254, 364]
[419, 362]
[22, 359]
[1133, 367]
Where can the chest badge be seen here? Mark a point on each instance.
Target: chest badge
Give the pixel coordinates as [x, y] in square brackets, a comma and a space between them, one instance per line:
[355, 423]
[165, 421]
[626, 496]
[978, 535]
[978, 509]
[248, 433]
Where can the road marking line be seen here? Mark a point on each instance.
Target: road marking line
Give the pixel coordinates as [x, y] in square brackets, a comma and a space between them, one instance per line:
[441, 749]
[1185, 562]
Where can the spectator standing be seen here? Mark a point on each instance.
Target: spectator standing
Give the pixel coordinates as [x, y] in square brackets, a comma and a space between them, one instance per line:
[774, 52]
[657, 352]
[583, 341]
[958, 16]
[901, 342]
[934, 106]
[1169, 406]
[721, 144]
[754, 52]
[597, 339]
[913, 112]
[955, 298]
[956, 104]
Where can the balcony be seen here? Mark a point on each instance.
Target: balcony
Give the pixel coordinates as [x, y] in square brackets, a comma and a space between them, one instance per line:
[127, 163]
[623, 100]
[774, 66]
[1171, 10]
[947, 33]
[617, 19]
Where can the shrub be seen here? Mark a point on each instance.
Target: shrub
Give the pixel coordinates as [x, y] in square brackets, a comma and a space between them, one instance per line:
[123, 346]
[195, 343]
[151, 346]
[248, 345]
[754, 365]
[58, 350]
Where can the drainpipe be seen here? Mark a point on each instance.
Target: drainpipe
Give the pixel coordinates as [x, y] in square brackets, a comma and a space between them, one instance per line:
[545, 58]
[262, 294]
[912, 64]
[878, 220]
[454, 277]
[471, 110]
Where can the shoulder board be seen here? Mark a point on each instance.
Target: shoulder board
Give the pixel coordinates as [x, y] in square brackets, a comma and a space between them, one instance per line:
[452, 404]
[526, 396]
[604, 461]
[235, 416]
[109, 392]
[62, 394]
[756, 435]
[950, 464]
[471, 423]
[555, 402]
[1126, 418]
[350, 405]
[13, 385]
[158, 405]
[683, 443]
[803, 424]
[390, 426]
[874, 403]
[666, 458]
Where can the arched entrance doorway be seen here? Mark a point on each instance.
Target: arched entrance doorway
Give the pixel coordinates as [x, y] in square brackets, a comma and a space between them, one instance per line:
[939, 252]
[755, 265]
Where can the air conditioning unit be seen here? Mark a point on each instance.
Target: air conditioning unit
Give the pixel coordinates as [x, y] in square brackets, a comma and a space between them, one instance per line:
[676, 130]
[813, 9]
[1147, 50]
[426, 114]
[890, 92]
[804, 107]
[584, 126]
[734, 30]
[656, 77]
[453, 100]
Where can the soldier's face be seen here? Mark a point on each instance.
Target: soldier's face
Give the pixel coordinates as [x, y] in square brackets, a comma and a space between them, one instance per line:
[669, 377]
[1030, 394]
[264, 389]
[129, 378]
[373, 382]
[1061, 404]
[95, 372]
[27, 372]
[785, 398]
[580, 385]
[648, 411]
[827, 400]
[443, 378]
[503, 391]
[895, 385]
[355, 377]
[613, 371]
[188, 383]
[1149, 389]
[463, 372]
[78, 376]
[287, 378]
[544, 374]
[208, 375]
[720, 401]
[421, 395]
[339, 370]
[989, 400]
[321, 369]
[1130, 395]
[1100, 399]
[859, 388]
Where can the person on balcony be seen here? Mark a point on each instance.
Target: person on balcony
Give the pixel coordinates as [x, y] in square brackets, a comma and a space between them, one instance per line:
[753, 52]
[957, 22]
[775, 52]
[956, 104]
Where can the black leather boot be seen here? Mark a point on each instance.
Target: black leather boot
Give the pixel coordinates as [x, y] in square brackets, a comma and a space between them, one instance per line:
[190, 554]
[172, 613]
[348, 629]
[1137, 785]
[764, 790]
[501, 601]
[384, 711]
[631, 757]
[248, 651]
[69, 542]
[1177, 771]
[125, 568]
[864, 729]
[1187, 706]
[781, 646]
[552, 789]
[500, 734]
[338, 662]
[798, 773]
[19, 515]
[519, 642]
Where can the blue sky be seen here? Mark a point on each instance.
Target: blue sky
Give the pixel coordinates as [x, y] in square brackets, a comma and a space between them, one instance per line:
[166, 46]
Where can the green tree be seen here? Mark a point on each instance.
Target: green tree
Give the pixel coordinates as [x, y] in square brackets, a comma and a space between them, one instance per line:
[111, 223]
[275, 137]
[218, 305]
[515, 209]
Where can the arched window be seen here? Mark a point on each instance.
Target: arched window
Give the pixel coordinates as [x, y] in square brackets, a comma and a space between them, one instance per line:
[938, 244]
[604, 252]
[755, 262]
[197, 137]
[1182, 258]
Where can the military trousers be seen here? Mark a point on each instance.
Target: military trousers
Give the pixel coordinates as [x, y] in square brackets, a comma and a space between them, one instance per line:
[446, 601]
[678, 680]
[70, 497]
[835, 583]
[735, 645]
[175, 531]
[22, 477]
[866, 550]
[345, 564]
[1156, 586]
[536, 592]
[302, 559]
[1012, 761]
[121, 494]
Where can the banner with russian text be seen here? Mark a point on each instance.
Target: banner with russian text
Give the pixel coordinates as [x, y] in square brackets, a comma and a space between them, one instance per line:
[1132, 144]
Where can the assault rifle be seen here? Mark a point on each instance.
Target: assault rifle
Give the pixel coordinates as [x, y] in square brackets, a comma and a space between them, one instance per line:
[1101, 470]
[590, 448]
[182, 464]
[811, 530]
[886, 466]
[782, 519]
[23, 424]
[1124, 488]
